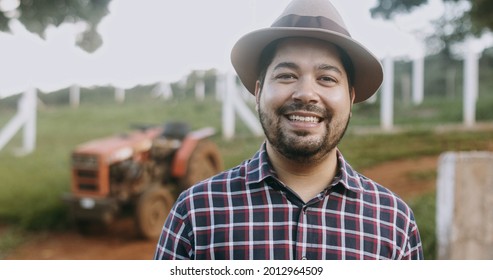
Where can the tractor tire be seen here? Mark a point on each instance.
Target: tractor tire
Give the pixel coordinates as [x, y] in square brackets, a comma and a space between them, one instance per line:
[204, 162]
[153, 206]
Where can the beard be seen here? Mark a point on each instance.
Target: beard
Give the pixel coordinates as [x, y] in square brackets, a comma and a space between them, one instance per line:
[301, 146]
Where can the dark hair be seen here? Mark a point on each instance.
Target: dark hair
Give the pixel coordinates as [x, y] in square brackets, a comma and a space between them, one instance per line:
[269, 51]
[265, 60]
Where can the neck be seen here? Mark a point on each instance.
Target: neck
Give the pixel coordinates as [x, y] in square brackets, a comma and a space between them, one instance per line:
[306, 179]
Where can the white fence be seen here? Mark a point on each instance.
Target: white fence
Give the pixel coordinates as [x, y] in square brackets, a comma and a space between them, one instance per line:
[232, 95]
[25, 119]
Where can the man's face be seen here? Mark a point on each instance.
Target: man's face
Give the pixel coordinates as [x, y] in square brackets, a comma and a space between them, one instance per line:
[305, 103]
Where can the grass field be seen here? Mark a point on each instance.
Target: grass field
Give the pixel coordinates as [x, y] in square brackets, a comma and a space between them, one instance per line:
[31, 186]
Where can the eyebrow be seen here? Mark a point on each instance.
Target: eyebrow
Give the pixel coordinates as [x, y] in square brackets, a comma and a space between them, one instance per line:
[292, 65]
[329, 67]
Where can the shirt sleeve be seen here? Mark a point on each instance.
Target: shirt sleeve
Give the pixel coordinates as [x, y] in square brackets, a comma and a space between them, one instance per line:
[175, 240]
[414, 248]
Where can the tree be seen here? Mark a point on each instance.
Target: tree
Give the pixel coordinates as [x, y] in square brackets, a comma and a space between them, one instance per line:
[460, 19]
[37, 15]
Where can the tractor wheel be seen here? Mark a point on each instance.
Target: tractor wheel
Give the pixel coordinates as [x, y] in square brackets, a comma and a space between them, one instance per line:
[152, 209]
[204, 162]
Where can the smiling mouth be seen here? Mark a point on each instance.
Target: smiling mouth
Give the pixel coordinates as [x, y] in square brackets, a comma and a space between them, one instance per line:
[305, 119]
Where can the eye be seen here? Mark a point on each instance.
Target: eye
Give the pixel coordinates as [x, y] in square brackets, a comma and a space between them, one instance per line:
[286, 76]
[328, 80]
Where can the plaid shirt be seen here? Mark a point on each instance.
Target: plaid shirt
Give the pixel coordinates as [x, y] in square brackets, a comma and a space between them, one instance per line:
[247, 213]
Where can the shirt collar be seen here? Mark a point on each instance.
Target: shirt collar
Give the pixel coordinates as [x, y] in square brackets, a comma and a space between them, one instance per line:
[348, 177]
[259, 169]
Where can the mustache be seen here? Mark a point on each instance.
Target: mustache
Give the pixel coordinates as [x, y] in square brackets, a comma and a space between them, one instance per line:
[293, 107]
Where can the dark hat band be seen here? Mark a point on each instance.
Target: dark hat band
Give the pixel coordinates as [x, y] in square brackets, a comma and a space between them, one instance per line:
[309, 22]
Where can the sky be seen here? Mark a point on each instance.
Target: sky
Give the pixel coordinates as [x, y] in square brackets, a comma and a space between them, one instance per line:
[149, 41]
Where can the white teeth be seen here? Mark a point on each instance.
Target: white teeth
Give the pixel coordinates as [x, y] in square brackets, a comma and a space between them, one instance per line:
[304, 119]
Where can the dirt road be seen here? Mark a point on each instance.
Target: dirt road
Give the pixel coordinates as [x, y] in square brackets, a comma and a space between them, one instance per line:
[407, 178]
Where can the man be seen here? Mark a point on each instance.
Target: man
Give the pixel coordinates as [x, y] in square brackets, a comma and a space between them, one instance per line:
[297, 198]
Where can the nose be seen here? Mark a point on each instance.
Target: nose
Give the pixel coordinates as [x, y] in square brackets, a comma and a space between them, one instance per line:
[306, 92]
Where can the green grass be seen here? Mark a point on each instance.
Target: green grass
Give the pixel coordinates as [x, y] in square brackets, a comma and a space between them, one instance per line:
[31, 187]
[367, 150]
[436, 110]
[424, 211]
[11, 238]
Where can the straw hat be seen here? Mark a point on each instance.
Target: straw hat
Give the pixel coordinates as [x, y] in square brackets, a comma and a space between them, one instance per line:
[314, 19]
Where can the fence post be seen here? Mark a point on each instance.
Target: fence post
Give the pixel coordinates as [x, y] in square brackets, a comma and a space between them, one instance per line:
[418, 80]
[29, 108]
[119, 95]
[464, 220]
[228, 120]
[25, 119]
[387, 100]
[162, 90]
[471, 64]
[233, 103]
[74, 96]
[200, 86]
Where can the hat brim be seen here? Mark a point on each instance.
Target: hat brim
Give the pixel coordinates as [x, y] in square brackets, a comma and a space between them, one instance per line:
[368, 71]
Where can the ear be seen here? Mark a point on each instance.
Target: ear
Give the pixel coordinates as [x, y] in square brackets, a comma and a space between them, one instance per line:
[352, 94]
[257, 92]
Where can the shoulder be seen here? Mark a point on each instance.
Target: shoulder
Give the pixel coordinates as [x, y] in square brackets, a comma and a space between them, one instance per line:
[218, 185]
[375, 198]
[372, 193]
[375, 189]
[386, 201]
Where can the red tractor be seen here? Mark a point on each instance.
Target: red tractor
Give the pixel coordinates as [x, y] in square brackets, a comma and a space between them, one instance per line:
[141, 173]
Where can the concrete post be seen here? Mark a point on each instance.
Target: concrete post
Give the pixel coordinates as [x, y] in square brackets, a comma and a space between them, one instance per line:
[246, 114]
[471, 61]
[234, 104]
[162, 90]
[228, 106]
[24, 119]
[119, 95]
[200, 87]
[29, 107]
[387, 100]
[464, 217]
[418, 80]
[74, 96]
[406, 89]
[167, 91]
